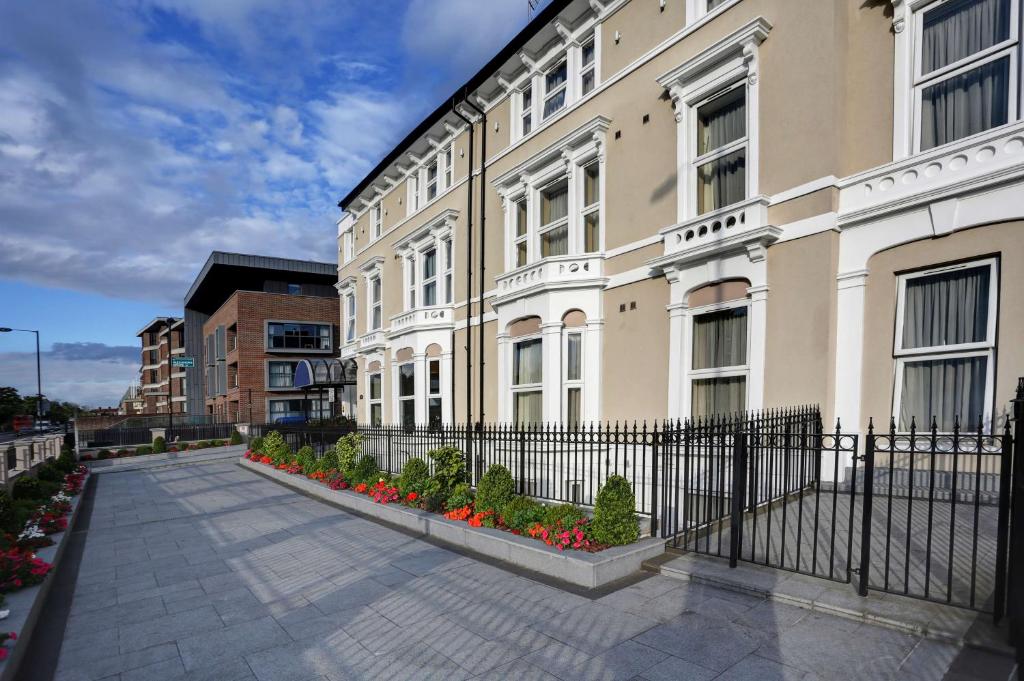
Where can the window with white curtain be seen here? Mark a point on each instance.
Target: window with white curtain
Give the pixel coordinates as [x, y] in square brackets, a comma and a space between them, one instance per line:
[721, 150]
[428, 273]
[591, 211]
[449, 165]
[449, 270]
[434, 393]
[375, 303]
[407, 395]
[555, 81]
[945, 345]
[376, 414]
[965, 74]
[414, 192]
[526, 110]
[410, 281]
[527, 381]
[519, 240]
[432, 179]
[588, 67]
[378, 220]
[573, 379]
[718, 369]
[350, 317]
[554, 219]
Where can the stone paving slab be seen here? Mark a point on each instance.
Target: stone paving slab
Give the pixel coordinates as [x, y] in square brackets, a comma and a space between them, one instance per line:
[295, 590]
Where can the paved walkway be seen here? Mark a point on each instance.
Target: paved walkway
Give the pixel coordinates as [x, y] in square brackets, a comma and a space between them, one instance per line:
[212, 572]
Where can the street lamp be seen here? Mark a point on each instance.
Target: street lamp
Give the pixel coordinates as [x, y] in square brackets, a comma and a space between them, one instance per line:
[39, 373]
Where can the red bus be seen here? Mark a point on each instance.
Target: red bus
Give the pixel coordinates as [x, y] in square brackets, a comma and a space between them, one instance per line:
[23, 422]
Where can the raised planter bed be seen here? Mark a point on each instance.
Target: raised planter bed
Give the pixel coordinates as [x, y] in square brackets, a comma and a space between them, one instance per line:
[589, 570]
[26, 605]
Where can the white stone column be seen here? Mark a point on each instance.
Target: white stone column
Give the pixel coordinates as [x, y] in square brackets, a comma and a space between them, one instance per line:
[419, 361]
[678, 360]
[552, 350]
[593, 342]
[504, 377]
[758, 330]
[850, 347]
[446, 388]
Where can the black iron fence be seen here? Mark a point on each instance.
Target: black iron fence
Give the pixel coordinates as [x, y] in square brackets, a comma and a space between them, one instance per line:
[129, 437]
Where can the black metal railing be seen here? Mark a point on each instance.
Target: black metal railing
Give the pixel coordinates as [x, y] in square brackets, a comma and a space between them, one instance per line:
[128, 437]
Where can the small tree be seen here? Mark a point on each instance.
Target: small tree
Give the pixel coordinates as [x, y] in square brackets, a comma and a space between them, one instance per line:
[496, 489]
[365, 470]
[415, 475]
[449, 471]
[159, 444]
[306, 458]
[276, 448]
[347, 451]
[236, 437]
[615, 513]
[256, 445]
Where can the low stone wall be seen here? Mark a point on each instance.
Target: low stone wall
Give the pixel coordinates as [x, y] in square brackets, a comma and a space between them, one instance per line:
[131, 463]
[27, 605]
[590, 570]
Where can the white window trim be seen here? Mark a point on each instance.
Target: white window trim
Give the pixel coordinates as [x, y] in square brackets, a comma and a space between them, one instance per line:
[409, 275]
[378, 219]
[525, 387]
[587, 68]
[697, 10]
[370, 400]
[449, 165]
[399, 398]
[435, 163]
[421, 269]
[721, 152]
[586, 210]
[986, 348]
[439, 395]
[717, 372]
[412, 249]
[540, 230]
[730, 62]
[370, 304]
[558, 89]
[578, 383]
[448, 275]
[908, 82]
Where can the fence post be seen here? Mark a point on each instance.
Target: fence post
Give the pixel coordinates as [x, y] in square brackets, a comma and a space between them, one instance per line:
[1015, 588]
[739, 474]
[654, 480]
[389, 448]
[869, 490]
[522, 460]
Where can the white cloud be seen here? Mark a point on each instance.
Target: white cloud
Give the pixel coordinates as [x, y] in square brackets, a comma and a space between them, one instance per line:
[89, 382]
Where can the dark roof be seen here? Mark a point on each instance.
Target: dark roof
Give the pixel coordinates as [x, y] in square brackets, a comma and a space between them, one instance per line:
[448, 105]
[225, 273]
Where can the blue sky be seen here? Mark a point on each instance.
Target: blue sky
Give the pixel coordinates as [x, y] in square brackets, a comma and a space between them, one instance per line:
[139, 135]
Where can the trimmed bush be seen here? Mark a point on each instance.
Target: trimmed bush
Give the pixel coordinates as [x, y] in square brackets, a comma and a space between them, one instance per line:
[26, 488]
[615, 513]
[495, 489]
[104, 454]
[8, 518]
[66, 462]
[566, 514]
[50, 473]
[365, 470]
[306, 458]
[415, 474]
[449, 471]
[236, 437]
[347, 451]
[522, 513]
[461, 496]
[145, 449]
[159, 445]
[256, 444]
[274, 446]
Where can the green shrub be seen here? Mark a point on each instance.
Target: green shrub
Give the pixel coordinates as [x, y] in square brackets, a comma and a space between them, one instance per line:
[522, 513]
[415, 474]
[27, 488]
[50, 472]
[145, 449]
[236, 437]
[216, 443]
[495, 489]
[8, 520]
[306, 458]
[347, 452]
[275, 447]
[126, 452]
[566, 514]
[365, 470]
[461, 496]
[159, 445]
[449, 471]
[615, 513]
[66, 462]
[104, 454]
[256, 444]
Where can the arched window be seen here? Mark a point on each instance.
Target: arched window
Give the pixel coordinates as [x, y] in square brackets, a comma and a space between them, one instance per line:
[719, 366]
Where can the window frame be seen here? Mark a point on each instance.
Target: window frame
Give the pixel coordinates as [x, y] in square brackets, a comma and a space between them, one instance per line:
[699, 160]
[268, 343]
[372, 401]
[423, 280]
[374, 306]
[569, 384]
[378, 220]
[526, 109]
[919, 81]
[562, 88]
[270, 374]
[731, 371]
[409, 273]
[350, 317]
[586, 210]
[515, 388]
[520, 240]
[986, 348]
[433, 396]
[559, 223]
[401, 399]
[432, 184]
[448, 251]
[586, 68]
[449, 165]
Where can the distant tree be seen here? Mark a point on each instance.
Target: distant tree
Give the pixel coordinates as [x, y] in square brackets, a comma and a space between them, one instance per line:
[11, 404]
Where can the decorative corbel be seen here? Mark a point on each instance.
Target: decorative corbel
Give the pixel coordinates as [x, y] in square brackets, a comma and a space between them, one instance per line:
[757, 252]
[563, 31]
[452, 130]
[530, 62]
[434, 143]
[676, 93]
[597, 6]
[505, 85]
[899, 15]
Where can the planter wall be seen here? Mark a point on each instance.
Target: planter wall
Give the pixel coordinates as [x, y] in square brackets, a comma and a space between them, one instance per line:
[590, 570]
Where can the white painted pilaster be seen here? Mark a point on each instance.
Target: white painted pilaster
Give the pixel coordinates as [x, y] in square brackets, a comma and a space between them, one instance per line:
[593, 343]
[446, 387]
[850, 347]
[551, 332]
[758, 330]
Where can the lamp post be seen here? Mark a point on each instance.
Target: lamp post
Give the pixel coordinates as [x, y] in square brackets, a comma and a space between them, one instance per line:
[39, 373]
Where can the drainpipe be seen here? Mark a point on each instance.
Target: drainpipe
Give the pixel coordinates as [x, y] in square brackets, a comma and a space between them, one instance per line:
[483, 268]
[469, 286]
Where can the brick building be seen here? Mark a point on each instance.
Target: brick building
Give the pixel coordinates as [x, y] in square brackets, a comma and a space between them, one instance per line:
[249, 321]
[162, 338]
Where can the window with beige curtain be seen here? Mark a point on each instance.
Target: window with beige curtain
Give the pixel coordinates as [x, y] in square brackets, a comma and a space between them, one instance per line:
[720, 163]
[554, 222]
[718, 370]
[527, 381]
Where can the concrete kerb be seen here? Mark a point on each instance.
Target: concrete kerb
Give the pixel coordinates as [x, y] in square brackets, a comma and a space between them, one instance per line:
[27, 605]
[587, 570]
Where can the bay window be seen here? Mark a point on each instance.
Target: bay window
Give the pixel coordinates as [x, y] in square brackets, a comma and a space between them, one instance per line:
[967, 60]
[527, 381]
[554, 219]
[591, 212]
[526, 109]
[718, 371]
[945, 345]
[376, 415]
[375, 303]
[407, 395]
[434, 393]
[449, 270]
[573, 381]
[520, 239]
[555, 81]
[410, 280]
[429, 277]
[350, 317]
[721, 150]
[432, 180]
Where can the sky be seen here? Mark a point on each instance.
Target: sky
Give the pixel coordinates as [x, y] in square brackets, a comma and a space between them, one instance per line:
[136, 136]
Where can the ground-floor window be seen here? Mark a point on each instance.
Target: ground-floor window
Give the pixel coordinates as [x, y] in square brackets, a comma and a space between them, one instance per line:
[434, 393]
[295, 408]
[573, 384]
[718, 373]
[376, 414]
[527, 381]
[945, 345]
[407, 395]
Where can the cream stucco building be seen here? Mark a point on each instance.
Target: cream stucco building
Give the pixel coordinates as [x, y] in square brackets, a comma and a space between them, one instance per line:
[691, 206]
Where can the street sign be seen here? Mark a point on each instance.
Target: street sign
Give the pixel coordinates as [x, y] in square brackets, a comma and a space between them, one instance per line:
[183, 362]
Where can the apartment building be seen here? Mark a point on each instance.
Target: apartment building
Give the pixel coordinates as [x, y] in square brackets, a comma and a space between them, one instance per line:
[132, 402]
[254, 319]
[647, 209]
[159, 382]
